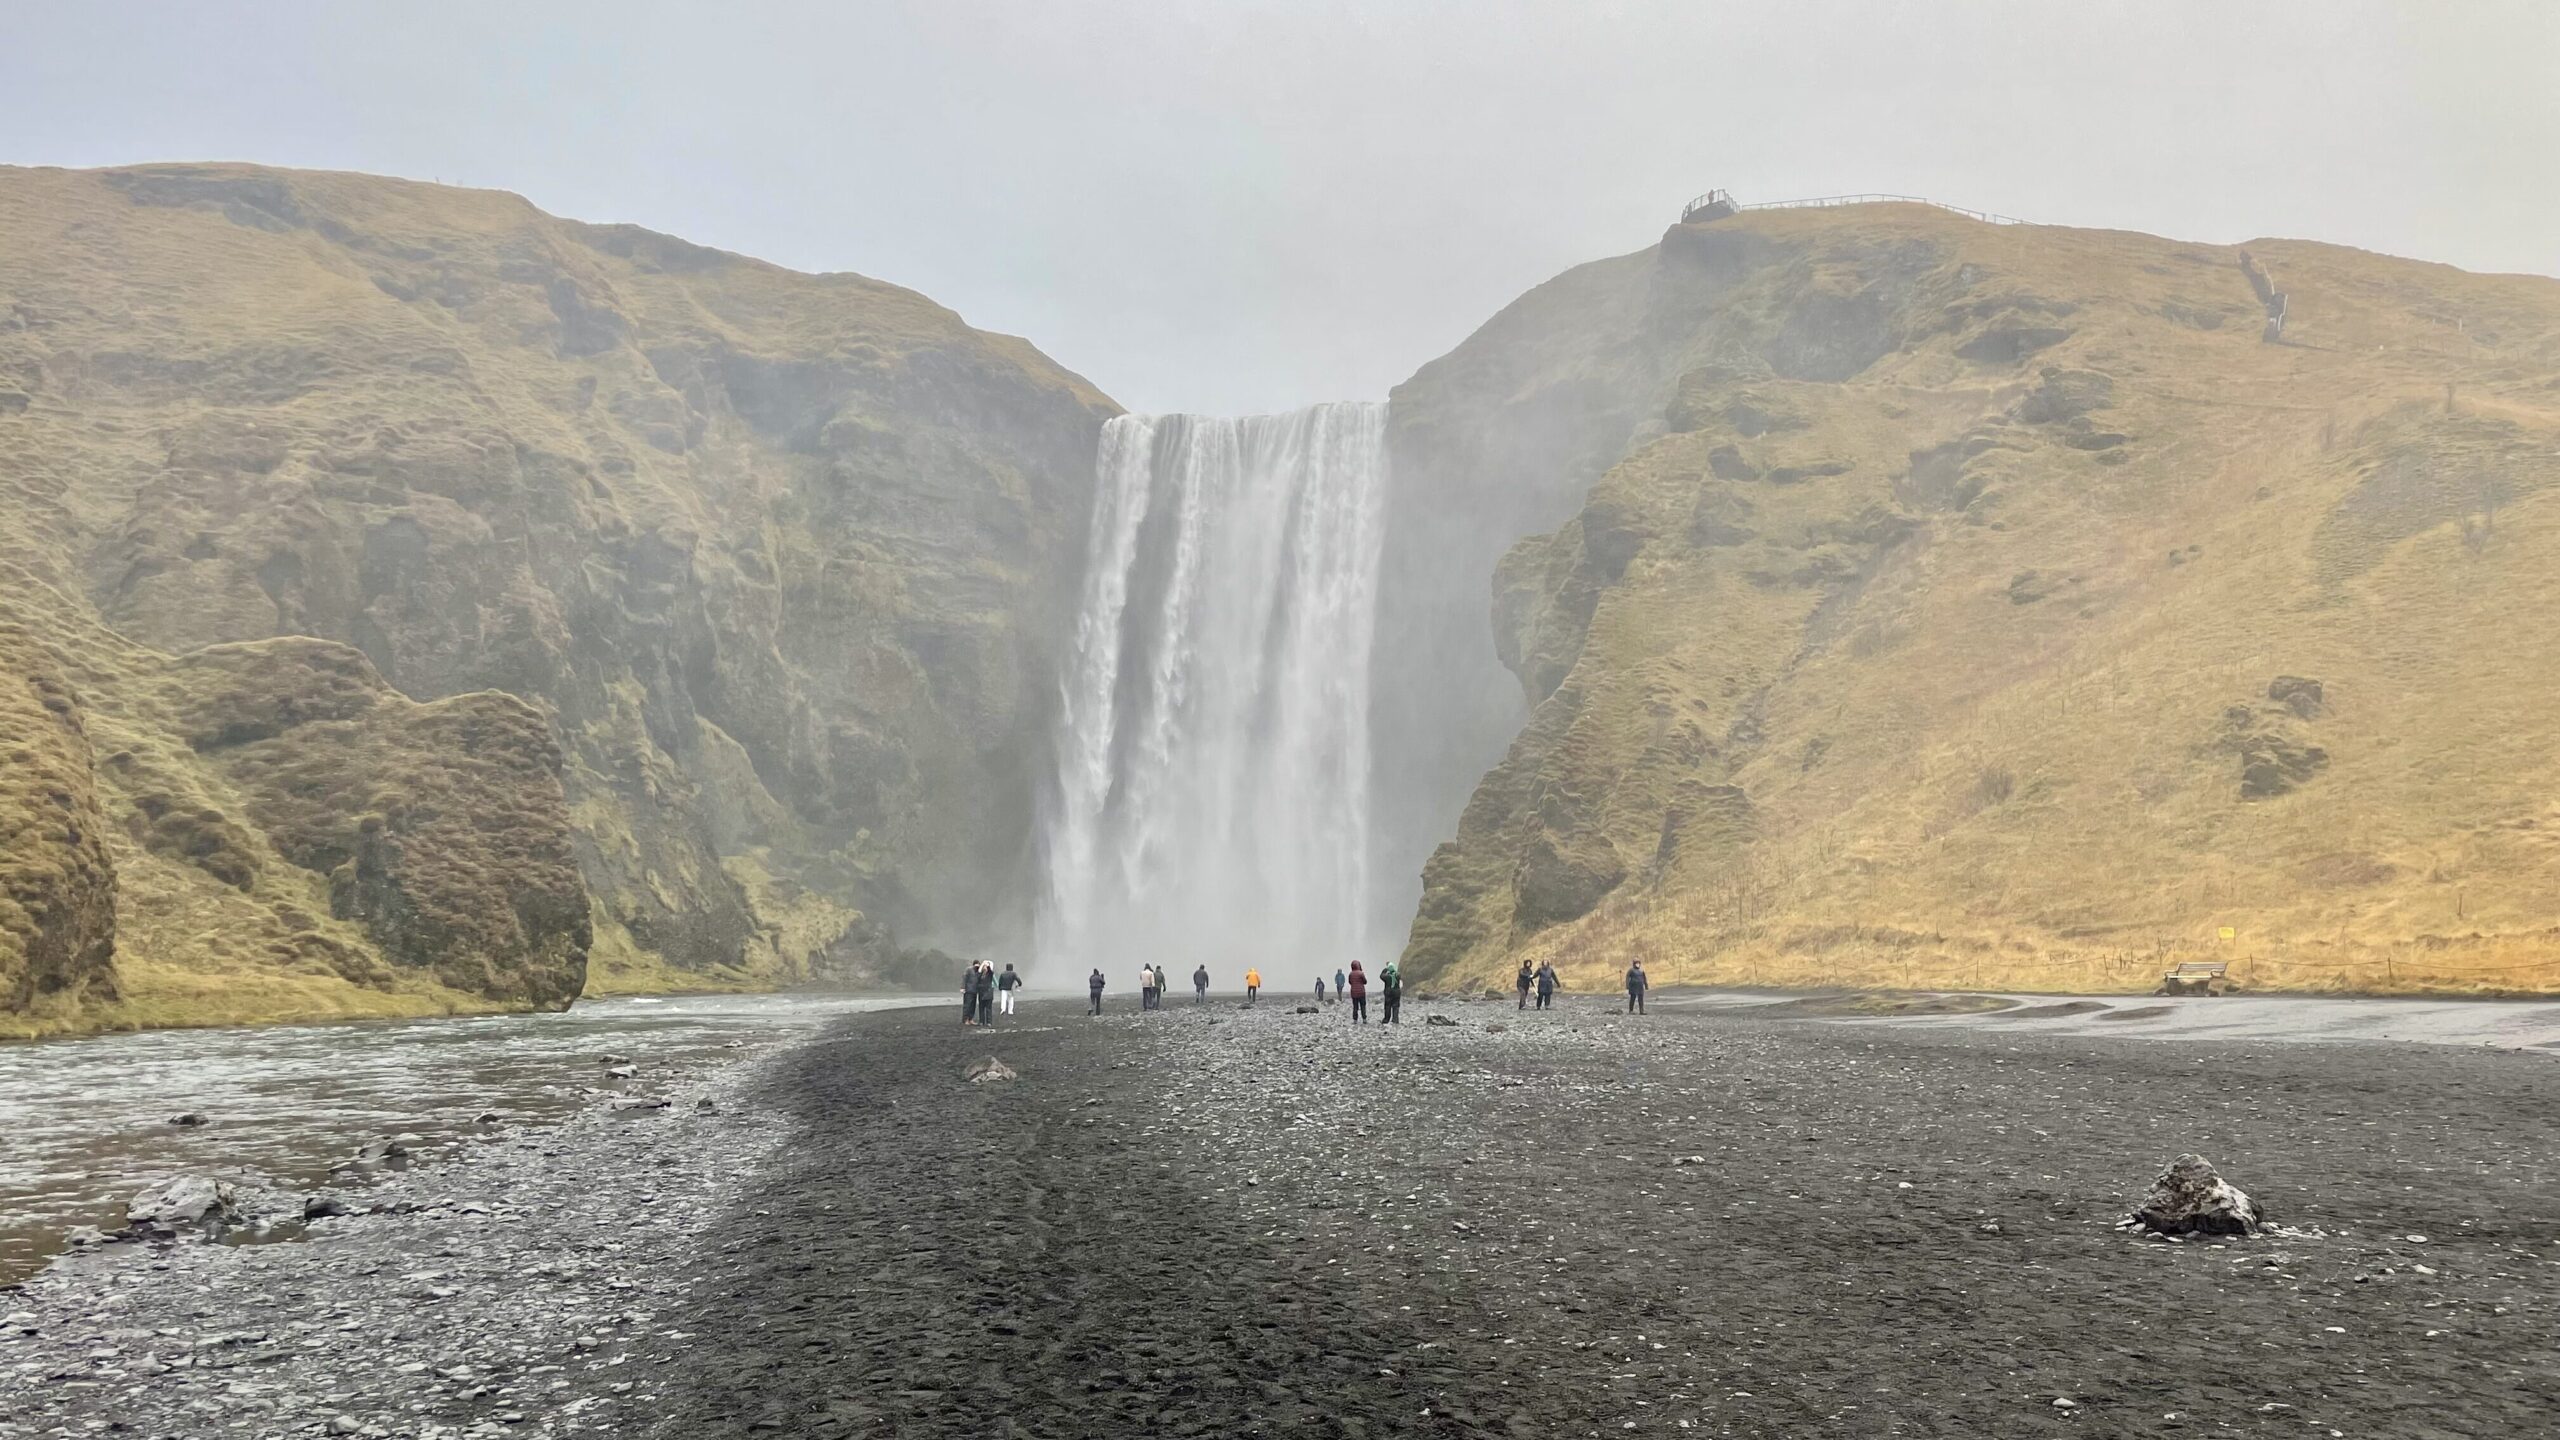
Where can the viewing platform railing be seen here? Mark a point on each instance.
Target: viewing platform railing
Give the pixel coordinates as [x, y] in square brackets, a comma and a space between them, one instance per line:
[1716, 204]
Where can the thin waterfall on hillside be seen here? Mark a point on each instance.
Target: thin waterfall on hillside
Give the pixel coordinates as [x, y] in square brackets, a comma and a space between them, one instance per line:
[1211, 802]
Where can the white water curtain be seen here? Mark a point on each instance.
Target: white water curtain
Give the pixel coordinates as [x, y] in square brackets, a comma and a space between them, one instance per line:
[1212, 795]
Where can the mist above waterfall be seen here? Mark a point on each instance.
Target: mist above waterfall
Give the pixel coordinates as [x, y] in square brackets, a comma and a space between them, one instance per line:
[1212, 798]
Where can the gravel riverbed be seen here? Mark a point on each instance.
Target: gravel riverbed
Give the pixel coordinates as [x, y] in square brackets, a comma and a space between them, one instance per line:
[1219, 1221]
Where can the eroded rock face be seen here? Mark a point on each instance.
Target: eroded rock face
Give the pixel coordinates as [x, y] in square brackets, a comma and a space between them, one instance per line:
[1859, 627]
[2189, 1198]
[776, 557]
[57, 884]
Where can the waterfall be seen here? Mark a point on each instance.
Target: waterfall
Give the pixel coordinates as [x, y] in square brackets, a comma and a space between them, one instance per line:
[1211, 801]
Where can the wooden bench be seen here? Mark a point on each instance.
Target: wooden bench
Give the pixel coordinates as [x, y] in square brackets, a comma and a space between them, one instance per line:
[2198, 977]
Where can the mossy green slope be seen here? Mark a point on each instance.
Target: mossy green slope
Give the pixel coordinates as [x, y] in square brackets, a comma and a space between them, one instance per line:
[1993, 606]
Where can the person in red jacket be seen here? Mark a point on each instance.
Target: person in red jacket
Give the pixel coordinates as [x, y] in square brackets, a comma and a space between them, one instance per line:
[1359, 986]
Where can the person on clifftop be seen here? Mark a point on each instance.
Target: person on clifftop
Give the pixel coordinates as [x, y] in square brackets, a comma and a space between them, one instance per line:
[1636, 984]
[1546, 985]
[1525, 979]
[1359, 995]
[1391, 983]
[1095, 985]
[1006, 984]
[1252, 984]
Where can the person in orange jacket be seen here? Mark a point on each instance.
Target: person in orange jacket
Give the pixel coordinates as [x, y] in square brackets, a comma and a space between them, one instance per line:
[1252, 984]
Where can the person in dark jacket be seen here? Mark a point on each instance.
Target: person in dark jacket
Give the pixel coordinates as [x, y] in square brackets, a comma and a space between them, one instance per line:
[969, 994]
[1200, 986]
[1391, 985]
[1546, 985]
[1525, 979]
[986, 992]
[1006, 984]
[1320, 990]
[1094, 984]
[1359, 995]
[1636, 984]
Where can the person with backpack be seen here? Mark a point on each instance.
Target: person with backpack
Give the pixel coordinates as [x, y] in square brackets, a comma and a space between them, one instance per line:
[1200, 986]
[1095, 985]
[1525, 978]
[1636, 984]
[1391, 984]
[1006, 984]
[1359, 995]
[1546, 985]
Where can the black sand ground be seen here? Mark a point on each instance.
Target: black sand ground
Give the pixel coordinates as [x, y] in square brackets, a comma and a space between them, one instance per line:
[1587, 1224]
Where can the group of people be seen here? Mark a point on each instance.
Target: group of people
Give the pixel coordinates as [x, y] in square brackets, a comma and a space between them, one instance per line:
[1544, 981]
[985, 987]
[1153, 982]
[983, 992]
[1353, 985]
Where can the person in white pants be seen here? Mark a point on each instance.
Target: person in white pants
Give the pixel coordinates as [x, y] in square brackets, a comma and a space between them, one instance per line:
[1006, 984]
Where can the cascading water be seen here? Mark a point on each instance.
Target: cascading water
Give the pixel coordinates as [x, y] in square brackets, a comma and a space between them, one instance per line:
[1212, 796]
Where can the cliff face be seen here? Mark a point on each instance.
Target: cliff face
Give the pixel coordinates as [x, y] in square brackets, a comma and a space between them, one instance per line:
[57, 887]
[774, 558]
[1973, 605]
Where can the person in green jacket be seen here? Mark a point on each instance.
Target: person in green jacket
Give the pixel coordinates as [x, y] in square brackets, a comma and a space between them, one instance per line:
[1391, 981]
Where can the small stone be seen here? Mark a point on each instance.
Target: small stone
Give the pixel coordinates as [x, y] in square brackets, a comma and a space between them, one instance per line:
[190, 1118]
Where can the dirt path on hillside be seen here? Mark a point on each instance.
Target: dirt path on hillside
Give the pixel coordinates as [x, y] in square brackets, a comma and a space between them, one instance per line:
[1262, 1224]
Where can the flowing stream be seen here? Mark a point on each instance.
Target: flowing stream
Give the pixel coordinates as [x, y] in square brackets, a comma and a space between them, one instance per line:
[1212, 801]
[85, 1123]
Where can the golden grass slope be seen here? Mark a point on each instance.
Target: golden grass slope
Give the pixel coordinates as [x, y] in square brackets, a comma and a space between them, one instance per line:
[1956, 627]
[773, 555]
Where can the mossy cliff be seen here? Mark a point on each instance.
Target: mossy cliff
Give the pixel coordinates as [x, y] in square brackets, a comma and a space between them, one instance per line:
[773, 559]
[1951, 604]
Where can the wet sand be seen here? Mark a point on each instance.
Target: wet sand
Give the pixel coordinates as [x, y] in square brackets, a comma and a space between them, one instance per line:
[1223, 1222]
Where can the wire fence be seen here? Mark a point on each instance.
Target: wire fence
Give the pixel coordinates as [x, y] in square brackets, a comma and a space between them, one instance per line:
[1720, 204]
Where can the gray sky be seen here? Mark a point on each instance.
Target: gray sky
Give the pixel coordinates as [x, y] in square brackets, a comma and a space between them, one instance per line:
[1249, 206]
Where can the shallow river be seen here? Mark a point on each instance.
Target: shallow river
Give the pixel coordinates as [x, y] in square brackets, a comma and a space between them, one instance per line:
[86, 1123]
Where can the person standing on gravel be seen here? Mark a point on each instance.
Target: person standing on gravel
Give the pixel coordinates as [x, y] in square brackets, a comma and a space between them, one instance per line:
[1636, 984]
[1546, 984]
[1525, 978]
[969, 994]
[1006, 984]
[1252, 984]
[1359, 995]
[1320, 990]
[1094, 984]
[1340, 981]
[1146, 987]
[1391, 984]
[1200, 986]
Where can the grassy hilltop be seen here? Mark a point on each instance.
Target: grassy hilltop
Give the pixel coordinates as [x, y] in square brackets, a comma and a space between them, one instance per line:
[719, 589]
[1957, 604]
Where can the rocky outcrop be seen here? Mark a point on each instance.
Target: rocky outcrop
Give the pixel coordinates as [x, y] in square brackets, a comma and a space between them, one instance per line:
[57, 885]
[1849, 658]
[2191, 1198]
[440, 828]
[774, 558]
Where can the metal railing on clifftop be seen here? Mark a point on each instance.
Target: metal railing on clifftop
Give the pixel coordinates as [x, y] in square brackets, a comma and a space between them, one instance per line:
[1716, 204]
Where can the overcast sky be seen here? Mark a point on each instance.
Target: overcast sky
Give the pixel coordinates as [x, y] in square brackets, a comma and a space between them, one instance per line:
[1250, 206]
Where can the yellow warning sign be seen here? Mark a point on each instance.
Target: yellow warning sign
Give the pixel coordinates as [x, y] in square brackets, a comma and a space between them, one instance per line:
[2230, 934]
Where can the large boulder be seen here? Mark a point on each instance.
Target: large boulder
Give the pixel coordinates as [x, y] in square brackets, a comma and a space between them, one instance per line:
[195, 1206]
[2189, 1198]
